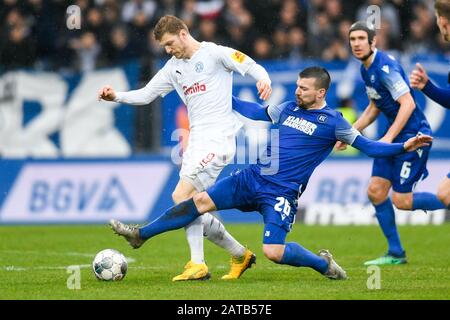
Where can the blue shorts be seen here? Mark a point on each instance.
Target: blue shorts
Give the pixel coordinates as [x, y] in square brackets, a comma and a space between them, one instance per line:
[403, 170]
[247, 191]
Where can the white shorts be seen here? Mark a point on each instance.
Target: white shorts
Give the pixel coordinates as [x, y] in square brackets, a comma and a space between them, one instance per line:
[205, 158]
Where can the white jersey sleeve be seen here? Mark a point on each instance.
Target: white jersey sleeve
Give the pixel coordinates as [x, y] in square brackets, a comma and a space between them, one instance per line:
[159, 85]
[234, 60]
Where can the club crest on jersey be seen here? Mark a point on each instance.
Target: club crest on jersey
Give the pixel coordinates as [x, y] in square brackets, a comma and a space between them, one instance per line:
[195, 88]
[300, 124]
[322, 118]
[199, 67]
[238, 56]
[372, 93]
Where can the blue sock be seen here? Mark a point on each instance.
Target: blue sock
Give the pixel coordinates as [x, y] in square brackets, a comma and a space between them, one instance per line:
[297, 256]
[426, 201]
[174, 218]
[386, 218]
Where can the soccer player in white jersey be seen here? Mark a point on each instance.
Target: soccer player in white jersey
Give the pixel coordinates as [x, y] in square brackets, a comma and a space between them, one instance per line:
[202, 75]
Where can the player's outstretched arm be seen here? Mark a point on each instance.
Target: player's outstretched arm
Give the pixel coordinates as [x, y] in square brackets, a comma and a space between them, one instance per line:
[251, 110]
[376, 149]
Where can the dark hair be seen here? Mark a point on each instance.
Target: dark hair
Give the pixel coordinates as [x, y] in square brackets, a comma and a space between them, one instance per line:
[363, 26]
[442, 8]
[321, 75]
[168, 24]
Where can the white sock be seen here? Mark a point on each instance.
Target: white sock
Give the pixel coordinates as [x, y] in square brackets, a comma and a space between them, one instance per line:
[194, 234]
[215, 231]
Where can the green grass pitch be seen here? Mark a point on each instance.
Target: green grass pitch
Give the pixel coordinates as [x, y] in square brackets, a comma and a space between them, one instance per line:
[33, 262]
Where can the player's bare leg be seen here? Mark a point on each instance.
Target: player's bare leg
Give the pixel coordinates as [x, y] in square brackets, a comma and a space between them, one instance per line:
[196, 268]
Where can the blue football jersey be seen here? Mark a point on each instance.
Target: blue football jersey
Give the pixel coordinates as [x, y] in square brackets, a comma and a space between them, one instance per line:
[305, 139]
[385, 82]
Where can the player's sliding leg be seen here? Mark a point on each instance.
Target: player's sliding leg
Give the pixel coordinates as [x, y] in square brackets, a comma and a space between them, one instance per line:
[385, 214]
[241, 258]
[174, 218]
[293, 254]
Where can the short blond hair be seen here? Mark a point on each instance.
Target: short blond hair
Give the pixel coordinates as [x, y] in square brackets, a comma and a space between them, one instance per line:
[169, 24]
[442, 8]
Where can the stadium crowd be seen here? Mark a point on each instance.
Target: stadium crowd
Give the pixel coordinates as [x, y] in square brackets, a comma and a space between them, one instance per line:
[34, 32]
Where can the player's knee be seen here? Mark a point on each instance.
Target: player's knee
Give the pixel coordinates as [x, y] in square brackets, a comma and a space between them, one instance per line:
[377, 193]
[273, 253]
[203, 202]
[401, 201]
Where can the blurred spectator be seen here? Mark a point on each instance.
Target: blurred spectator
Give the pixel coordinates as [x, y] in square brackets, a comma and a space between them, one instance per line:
[119, 50]
[419, 41]
[87, 50]
[188, 13]
[296, 43]
[208, 31]
[18, 50]
[145, 8]
[322, 36]
[262, 48]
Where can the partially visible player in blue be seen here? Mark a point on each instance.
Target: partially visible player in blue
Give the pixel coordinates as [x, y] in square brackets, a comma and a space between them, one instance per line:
[389, 93]
[419, 80]
[308, 130]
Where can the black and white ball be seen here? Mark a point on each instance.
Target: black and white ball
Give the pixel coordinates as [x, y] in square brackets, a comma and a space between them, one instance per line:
[110, 265]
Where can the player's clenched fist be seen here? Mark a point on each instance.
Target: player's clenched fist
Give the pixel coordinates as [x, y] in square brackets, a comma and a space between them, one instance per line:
[264, 89]
[106, 93]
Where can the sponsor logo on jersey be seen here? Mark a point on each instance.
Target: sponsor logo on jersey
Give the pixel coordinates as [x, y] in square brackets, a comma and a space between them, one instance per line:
[322, 118]
[199, 67]
[372, 93]
[400, 86]
[300, 124]
[195, 88]
[238, 56]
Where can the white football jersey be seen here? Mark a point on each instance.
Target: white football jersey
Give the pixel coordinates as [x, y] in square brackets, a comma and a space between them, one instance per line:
[204, 83]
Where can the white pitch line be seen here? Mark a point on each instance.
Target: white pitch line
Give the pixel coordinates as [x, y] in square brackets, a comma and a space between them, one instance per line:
[51, 253]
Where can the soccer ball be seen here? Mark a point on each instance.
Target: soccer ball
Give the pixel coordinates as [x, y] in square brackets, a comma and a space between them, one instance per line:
[110, 265]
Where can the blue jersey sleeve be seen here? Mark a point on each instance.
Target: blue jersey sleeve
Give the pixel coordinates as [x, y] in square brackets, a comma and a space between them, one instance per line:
[394, 82]
[275, 111]
[440, 95]
[251, 110]
[377, 149]
[344, 131]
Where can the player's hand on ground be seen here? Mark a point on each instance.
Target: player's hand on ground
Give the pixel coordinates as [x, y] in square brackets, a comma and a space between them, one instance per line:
[417, 142]
[340, 146]
[106, 93]
[418, 78]
[264, 89]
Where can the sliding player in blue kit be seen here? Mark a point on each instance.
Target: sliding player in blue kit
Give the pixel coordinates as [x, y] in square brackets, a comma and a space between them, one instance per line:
[308, 131]
[389, 93]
